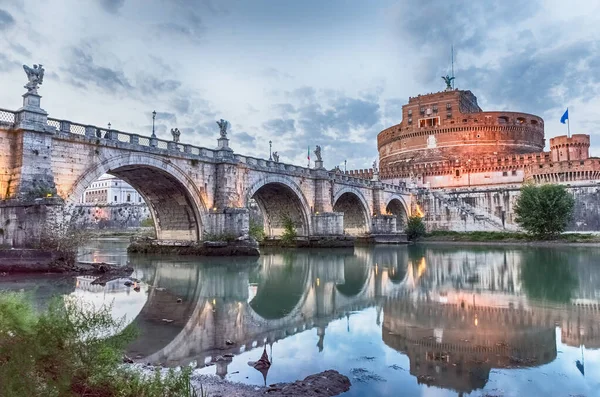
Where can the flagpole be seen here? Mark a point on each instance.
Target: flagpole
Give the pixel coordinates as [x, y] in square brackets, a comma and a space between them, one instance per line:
[568, 126]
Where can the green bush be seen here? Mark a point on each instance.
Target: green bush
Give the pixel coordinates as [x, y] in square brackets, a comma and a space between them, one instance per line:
[72, 349]
[289, 231]
[256, 231]
[415, 228]
[148, 222]
[544, 211]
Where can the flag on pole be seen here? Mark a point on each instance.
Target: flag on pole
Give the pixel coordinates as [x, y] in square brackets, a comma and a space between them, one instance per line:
[565, 116]
[308, 153]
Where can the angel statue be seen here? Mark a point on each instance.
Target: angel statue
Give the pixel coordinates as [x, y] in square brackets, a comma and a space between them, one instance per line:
[318, 153]
[448, 81]
[35, 76]
[175, 132]
[375, 169]
[223, 124]
[276, 157]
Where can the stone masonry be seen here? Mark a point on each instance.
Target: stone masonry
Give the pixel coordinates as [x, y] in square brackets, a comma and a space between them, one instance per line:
[189, 190]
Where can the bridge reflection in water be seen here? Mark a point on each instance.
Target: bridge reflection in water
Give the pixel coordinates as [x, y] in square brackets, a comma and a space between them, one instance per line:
[457, 314]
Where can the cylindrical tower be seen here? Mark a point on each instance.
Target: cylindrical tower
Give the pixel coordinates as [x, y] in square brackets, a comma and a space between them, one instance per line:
[449, 125]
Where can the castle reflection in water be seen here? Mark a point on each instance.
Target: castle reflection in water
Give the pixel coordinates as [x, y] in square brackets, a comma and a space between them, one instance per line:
[456, 313]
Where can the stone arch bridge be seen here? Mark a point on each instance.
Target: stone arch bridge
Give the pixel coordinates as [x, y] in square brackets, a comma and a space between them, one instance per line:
[190, 190]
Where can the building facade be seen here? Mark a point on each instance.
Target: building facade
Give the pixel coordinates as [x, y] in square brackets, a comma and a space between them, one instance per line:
[109, 189]
[445, 140]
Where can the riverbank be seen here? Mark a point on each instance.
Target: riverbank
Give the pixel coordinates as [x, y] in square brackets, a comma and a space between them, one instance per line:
[324, 384]
[206, 248]
[509, 238]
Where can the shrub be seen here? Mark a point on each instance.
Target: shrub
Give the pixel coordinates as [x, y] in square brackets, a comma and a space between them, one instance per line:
[415, 228]
[147, 222]
[71, 350]
[289, 230]
[544, 211]
[256, 231]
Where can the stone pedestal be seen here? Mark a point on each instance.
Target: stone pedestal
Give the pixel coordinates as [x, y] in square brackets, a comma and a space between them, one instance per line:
[319, 165]
[223, 144]
[233, 222]
[383, 224]
[328, 224]
[31, 116]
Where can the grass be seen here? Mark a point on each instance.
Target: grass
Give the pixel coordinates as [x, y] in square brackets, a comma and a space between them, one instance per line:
[444, 235]
[72, 349]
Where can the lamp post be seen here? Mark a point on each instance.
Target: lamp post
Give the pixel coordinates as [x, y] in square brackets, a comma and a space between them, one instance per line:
[270, 147]
[345, 161]
[153, 118]
[109, 125]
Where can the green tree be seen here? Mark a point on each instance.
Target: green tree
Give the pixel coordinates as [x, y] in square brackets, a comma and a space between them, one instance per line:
[415, 228]
[544, 211]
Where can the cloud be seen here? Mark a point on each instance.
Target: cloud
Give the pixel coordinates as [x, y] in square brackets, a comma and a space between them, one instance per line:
[280, 126]
[7, 64]
[242, 138]
[112, 6]
[150, 85]
[6, 20]
[19, 49]
[83, 71]
[166, 116]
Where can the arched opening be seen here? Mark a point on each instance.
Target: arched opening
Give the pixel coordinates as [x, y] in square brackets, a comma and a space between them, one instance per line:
[355, 277]
[280, 206]
[280, 286]
[395, 207]
[172, 201]
[355, 214]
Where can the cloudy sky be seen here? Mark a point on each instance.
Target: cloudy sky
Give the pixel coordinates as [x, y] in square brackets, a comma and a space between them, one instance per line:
[299, 73]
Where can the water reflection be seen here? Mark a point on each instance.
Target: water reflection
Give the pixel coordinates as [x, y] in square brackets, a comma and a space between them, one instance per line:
[460, 319]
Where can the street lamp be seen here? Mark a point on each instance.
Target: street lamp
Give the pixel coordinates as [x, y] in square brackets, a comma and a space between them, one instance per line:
[345, 161]
[153, 118]
[270, 146]
[109, 125]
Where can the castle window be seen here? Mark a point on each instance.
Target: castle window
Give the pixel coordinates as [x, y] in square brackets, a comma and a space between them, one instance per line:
[410, 112]
[478, 136]
[502, 120]
[581, 163]
[448, 106]
[422, 110]
[514, 173]
[429, 122]
[457, 172]
[476, 120]
[449, 115]
[520, 120]
[534, 122]
[128, 197]
[115, 198]
[505, 173]
[464, 120]
[410, 121]
[139, 199]
[435, 108]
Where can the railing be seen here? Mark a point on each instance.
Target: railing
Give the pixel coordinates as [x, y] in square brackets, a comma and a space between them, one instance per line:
[10, 117]
[7, 116]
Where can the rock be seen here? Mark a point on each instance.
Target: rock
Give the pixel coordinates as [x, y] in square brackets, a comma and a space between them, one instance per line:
[229, 343]
[327, 383]
[166, 320]
[179, 300]
[127, 360]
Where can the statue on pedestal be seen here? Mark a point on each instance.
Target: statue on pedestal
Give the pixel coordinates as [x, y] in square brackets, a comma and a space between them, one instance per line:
[175, 132]
[375, 169]
[223, 124]
[276, 157]
[448, 81]
[35, 76]
[318, 153]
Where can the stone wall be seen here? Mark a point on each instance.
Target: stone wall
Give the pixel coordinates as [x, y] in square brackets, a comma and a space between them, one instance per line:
[493, 209]
[116, 217]
[22, 222]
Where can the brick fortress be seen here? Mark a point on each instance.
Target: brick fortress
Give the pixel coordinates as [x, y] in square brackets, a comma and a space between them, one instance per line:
[446, 140]
[467, 165]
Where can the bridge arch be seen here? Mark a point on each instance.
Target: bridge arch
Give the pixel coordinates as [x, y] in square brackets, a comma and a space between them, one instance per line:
[278, 198]
[396, 205]
[172, 197]
[357, 217]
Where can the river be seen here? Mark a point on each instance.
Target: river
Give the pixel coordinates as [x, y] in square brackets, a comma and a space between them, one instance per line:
[424, 320]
